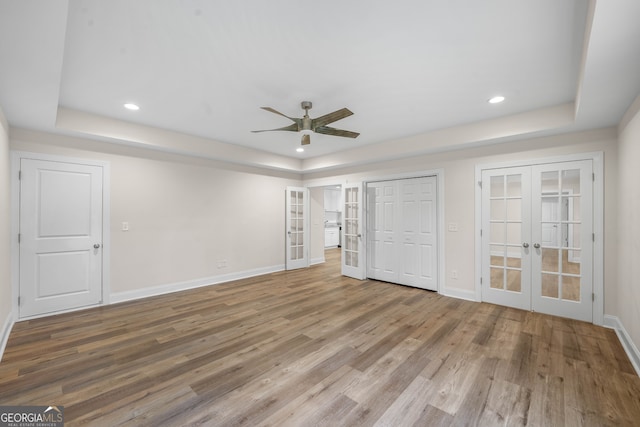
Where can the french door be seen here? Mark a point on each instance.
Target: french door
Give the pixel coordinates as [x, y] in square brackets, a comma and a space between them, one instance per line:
[537, 245]
[297, 228]
[353, 264]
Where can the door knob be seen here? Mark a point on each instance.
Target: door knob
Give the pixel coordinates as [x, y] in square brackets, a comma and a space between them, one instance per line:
[525, 245]
[96, 246]
[536, 245]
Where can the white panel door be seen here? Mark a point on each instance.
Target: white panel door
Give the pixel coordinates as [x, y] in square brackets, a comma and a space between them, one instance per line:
[402, 232]
[562, 279]
[297, 228]
[506, 237]
[352, 248]
[419, 260]
[60, 236]
[382, 245]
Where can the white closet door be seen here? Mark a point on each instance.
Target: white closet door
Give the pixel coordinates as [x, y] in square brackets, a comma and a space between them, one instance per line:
[418, 254]
[402, 232]
[353, 264]
[563, 245]
[506, 237]
[297, 227]
[382, 247]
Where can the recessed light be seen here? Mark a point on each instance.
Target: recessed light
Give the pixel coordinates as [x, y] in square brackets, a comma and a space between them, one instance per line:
[132, 107]
[496, 99]
[300, 149]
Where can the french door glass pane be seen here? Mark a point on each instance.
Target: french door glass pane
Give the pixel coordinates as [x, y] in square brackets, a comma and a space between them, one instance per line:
[514, 280]
[571, 288]
[514, 186]
[550, 285]
[497, 278]
[550, 260]
[497, 186]
[550, 182]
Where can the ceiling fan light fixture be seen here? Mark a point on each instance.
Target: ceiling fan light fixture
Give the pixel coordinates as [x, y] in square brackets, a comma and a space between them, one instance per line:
[496, 99]
[306, 131]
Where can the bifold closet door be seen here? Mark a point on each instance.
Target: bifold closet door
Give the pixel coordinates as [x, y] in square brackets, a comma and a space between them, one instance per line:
[402, 232]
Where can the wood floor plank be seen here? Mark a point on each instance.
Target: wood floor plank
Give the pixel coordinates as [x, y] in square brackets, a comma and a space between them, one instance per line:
[311, 347]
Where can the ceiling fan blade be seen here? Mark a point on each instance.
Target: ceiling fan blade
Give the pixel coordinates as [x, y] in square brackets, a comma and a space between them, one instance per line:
[279, 113]
[293, 128]
[326, 130]
[306, 139]
[330, 118]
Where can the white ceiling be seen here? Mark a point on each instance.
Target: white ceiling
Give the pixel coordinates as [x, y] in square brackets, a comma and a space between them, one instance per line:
[406, 68]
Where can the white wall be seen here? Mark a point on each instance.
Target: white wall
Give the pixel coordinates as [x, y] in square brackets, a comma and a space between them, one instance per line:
[5, 228]
[459, 177]
[185, 215]
[627, 300]
[316, 245]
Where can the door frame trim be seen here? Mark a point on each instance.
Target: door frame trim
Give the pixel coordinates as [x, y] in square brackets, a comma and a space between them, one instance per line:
[598, 220]
[16, 157]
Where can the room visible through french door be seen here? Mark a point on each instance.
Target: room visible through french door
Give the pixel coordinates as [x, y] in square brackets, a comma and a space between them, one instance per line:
[537, 238]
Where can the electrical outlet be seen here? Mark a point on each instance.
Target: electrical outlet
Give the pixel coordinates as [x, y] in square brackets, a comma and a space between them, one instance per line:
[125, 226]
[453, 226]
[454, 274]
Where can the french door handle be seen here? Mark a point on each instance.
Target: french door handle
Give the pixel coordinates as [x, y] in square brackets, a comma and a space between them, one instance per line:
[536, 245]
[96, 246]
[525, 245]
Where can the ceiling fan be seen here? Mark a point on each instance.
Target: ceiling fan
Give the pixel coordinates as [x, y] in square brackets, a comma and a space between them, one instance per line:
[307, 125]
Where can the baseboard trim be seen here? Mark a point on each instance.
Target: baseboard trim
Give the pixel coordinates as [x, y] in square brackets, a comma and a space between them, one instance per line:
[6, 331]
[191, 284]
[630, 348]
[459, 293]
[316, 261]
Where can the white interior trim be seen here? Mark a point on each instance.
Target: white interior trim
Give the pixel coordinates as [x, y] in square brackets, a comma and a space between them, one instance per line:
[191, 284]
[598, 220]
[630, 348]
[5, 332]
[16, 157]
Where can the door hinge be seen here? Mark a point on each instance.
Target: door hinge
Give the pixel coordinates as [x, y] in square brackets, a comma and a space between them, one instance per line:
[481, 232]
[19, 175]
[593, 237]
[18, 301]
[19, 237]
[481, 280]
[593, 297]
[593, 177]
[480, 184]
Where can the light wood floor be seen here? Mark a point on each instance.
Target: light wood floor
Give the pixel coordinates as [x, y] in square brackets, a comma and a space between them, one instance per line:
[309, 348]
